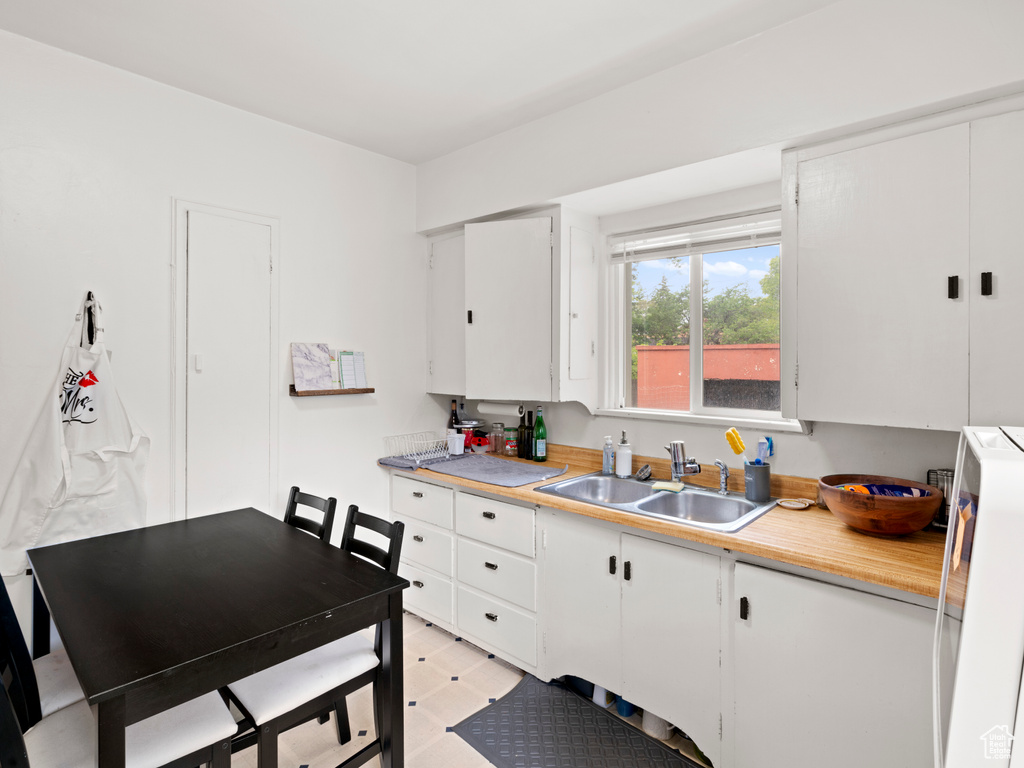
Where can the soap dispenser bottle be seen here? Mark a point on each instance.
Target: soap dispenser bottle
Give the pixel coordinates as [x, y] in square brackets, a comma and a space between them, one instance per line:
[623, 458]
[608, 464]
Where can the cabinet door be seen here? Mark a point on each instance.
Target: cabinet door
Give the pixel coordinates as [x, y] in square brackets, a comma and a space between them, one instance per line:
[446, 317]
[671, 637]
[508, 290]
[583, 304]
[997, 199]
[829, 676]
[579, 598]
[881, 229]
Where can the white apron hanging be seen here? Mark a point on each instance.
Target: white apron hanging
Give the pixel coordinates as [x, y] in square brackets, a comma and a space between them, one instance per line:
[82, 471]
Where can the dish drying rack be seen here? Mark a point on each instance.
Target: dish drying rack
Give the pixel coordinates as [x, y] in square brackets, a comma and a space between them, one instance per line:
[417, 447]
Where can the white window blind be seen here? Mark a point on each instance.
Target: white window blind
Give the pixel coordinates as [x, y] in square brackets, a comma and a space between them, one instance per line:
[707, 236]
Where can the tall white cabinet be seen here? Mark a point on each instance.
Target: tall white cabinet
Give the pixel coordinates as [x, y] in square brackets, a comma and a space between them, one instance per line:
[513, 309]
[896, 235]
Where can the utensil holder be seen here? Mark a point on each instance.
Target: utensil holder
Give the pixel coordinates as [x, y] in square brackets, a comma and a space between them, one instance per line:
[757, 481]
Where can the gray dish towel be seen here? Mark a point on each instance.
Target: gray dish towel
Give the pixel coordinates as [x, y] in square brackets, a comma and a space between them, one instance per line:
[491, 469]
[483, 469]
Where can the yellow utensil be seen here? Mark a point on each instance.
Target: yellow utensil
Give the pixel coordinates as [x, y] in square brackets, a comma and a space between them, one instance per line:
[736, 442]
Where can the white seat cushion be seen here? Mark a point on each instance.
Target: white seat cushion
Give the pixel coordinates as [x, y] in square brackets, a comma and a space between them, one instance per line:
[58, 686]
[285, 686]
[67, 738]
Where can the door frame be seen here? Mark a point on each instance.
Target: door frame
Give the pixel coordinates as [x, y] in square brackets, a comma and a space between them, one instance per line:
[179, 339]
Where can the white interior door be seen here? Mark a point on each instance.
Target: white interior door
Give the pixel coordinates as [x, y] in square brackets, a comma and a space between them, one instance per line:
[228, 357]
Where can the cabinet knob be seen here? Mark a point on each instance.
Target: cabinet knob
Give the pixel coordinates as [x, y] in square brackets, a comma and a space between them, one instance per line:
[417, 494]
[418, 538]
[492, 566]
[491, 616]
[953, 286]
[986, 283]
[744, 608]
[418, 584]
[489, 515]
[611, 565]
[627, 570]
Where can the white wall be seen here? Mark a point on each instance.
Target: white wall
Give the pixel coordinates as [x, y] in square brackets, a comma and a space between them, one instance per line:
[853, 63]
[90, 160]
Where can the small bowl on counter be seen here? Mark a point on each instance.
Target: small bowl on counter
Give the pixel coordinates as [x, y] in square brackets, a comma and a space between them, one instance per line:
[877, 513]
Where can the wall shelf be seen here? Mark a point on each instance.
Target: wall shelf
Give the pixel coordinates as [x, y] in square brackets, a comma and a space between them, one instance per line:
[317, 392]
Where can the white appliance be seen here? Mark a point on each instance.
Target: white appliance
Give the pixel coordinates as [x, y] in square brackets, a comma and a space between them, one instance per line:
[979, 629]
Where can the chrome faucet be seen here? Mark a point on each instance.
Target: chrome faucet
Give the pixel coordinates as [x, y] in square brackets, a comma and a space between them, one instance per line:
[723, 482]
[680, 464]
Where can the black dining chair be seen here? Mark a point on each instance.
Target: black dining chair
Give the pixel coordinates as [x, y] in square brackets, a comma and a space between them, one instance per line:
[313, 684]
[193, 733]
[326, 508]
[42, 685]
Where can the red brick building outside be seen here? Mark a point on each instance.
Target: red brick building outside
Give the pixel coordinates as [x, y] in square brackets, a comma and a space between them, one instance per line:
[663, 374]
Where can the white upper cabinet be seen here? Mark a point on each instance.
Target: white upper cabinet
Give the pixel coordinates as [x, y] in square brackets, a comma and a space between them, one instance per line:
[508, 304]
[519, 320]
[997, 314]
[446, 316]
[894, 326]
[881, 229]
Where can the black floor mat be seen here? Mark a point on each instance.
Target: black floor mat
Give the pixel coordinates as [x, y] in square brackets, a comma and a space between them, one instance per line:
[537, 725]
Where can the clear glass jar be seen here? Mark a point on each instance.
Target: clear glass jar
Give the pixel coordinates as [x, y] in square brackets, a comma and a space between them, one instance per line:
[497, 438]
[511, 434]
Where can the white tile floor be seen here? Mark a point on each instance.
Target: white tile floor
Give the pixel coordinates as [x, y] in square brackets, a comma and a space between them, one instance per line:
[446, 680]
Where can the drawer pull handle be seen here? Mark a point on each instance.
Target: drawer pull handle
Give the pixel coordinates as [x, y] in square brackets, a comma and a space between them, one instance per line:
[986, 283]
[418, 538]
[418, 584]
[491, 616]
[417, 494]
[492, 566]
[489, 515]
[953, 286]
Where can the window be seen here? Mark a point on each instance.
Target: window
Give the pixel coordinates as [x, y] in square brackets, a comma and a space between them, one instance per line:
[733, 265]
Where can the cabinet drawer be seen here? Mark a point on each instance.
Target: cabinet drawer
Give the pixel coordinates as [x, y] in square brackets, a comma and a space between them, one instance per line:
[498, 625]
[504, 575]
[495, 522]
[427, 592]
[429, 503]
[427, 546]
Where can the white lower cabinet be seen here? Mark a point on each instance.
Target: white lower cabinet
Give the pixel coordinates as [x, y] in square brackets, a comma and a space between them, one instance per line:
[428, 547]
[826, 675]
[637, 616]
[470, 564]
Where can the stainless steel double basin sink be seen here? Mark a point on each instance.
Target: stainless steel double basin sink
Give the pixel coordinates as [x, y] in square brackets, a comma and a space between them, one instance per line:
[697, 507]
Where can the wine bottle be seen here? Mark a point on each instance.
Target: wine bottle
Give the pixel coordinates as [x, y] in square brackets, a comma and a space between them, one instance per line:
[521, 436]
[528, 445]
[540, 437]
[453, 419]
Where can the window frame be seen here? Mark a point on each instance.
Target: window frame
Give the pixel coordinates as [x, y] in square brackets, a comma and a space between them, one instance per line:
[618, 305]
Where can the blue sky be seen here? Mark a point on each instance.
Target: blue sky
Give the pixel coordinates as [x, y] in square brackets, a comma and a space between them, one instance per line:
[722, 270]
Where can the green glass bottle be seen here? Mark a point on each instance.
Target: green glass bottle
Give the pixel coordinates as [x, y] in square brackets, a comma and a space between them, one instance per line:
[540, 437]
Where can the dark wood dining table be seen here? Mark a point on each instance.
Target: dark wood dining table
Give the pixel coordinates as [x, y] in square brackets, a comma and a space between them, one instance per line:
[153, 617]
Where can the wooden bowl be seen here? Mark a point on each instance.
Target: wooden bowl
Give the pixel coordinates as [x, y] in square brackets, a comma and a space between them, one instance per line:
[882, 515]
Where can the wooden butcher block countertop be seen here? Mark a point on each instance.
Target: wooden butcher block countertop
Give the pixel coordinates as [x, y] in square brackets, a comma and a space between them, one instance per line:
[812, 538]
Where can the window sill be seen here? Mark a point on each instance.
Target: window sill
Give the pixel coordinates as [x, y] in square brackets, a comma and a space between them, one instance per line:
[719, 420]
